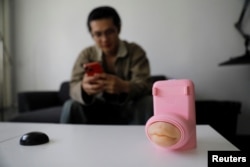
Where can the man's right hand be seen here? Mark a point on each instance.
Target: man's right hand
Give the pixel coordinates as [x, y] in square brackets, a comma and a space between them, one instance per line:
[93, 85]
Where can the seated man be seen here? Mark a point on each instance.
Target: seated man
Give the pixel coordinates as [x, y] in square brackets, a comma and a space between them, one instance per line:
[119, 94]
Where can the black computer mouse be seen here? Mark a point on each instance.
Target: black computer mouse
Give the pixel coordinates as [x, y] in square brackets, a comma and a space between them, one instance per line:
[34, 138]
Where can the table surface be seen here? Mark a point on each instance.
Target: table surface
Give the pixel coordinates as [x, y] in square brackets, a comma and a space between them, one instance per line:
[100, 145]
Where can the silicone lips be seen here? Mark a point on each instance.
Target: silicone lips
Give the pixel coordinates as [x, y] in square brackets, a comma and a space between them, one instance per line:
[164, 134]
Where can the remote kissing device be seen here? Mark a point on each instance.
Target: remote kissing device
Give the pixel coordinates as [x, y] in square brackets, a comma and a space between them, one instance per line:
[173, 126]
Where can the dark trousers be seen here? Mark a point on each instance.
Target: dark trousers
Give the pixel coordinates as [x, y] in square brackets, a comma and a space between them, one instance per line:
[100, 112]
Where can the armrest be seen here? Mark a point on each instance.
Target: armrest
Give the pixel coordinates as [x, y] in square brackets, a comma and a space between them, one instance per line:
[221, 115]
[28, 101]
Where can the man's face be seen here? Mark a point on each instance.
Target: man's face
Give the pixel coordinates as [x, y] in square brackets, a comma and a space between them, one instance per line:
[105, 35]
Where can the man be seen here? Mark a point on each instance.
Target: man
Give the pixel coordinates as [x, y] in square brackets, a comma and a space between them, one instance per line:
[119, 93]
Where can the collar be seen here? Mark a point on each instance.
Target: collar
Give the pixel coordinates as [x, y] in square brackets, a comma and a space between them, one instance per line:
[122, 50]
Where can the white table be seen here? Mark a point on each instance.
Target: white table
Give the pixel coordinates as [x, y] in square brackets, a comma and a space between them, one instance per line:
[95, 146]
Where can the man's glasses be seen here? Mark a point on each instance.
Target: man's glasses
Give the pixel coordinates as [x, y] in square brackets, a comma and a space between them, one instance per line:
[106, 33]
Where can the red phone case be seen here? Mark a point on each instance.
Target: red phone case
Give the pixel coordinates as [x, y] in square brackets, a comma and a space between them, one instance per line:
[93, 68]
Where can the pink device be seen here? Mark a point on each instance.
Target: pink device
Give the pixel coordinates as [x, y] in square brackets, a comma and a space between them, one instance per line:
[174, 104]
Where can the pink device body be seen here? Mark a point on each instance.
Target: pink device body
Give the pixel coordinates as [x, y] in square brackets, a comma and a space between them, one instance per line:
[174, 103]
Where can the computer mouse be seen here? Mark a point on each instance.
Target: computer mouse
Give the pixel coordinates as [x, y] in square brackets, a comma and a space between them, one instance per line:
[34, 138]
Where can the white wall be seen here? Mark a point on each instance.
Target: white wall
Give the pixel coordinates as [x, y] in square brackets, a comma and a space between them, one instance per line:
[183, 39]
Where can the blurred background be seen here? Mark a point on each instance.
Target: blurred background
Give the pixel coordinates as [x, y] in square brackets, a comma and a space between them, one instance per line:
[40, 41]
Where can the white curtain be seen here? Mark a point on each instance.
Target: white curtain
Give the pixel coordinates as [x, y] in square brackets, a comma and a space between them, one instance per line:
[6, 100]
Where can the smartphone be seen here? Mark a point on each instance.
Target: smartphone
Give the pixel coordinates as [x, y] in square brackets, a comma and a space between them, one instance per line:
[93, 68]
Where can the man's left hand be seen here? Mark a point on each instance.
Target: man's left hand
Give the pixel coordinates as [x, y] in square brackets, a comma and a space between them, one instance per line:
[115, 85]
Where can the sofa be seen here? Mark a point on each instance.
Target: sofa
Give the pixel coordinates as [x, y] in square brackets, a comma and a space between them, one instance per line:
[46, 106]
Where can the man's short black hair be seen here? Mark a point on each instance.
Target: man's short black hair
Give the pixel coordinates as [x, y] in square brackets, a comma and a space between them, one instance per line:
[102, 13]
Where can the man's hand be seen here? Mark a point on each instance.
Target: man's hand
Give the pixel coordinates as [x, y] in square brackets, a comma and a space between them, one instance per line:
[115, 85]
[93, 84]
[104, 82]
